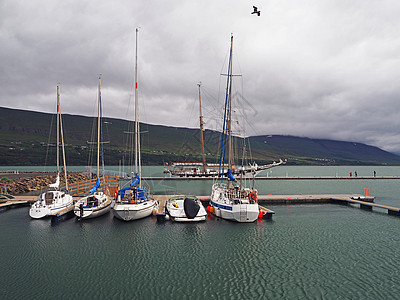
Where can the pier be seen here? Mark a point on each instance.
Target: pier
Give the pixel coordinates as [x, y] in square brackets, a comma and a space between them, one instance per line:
[394, 211]
[365, 201]
[282, 178]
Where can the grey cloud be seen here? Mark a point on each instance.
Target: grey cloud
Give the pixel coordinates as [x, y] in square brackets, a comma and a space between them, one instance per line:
[325, 69]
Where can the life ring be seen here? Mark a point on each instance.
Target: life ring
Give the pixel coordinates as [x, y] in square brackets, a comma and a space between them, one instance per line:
[252, 196]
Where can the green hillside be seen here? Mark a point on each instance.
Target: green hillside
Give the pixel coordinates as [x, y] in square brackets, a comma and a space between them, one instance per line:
[25, 136]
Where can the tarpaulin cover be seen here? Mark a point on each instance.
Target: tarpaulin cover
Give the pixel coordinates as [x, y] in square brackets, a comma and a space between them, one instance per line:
[191, 207]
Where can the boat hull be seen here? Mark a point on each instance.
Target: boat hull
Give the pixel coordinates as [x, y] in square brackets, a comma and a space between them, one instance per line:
[196, 219]
[176, 210]
[57, 206]
[243, 213]
[227, 205]
[92, 212]
[133, 211]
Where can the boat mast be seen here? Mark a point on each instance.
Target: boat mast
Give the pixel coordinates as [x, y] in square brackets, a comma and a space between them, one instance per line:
[58, 129]
[137, 132]
[62, 139]
[230, 149]
[201, 131]
[226, 115]
[230, 113]
[98, 130]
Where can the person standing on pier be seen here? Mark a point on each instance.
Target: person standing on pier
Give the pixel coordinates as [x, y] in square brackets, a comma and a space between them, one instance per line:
[374, 173]
[355, 173]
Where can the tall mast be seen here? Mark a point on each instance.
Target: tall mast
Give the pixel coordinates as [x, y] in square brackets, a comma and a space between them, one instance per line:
[230, 113]
[58, 129]
[98, 130]
[138, 169]
[201, 131]
[63, 152]
[225, 130]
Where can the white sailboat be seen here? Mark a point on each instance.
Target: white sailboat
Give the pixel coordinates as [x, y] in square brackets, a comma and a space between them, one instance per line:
[97, 203]
[186, 209]
[133, 202]
[54, 202]
[231, 199]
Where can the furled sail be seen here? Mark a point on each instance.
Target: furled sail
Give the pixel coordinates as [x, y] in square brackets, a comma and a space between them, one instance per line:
[96, 186]
[230, 175]
[57, 183]
[135, 181]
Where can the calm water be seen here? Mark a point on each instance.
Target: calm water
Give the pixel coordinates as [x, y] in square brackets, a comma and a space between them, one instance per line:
[323, 251]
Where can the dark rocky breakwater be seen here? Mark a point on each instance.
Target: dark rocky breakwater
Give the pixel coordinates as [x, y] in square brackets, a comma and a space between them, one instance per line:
[24, 182]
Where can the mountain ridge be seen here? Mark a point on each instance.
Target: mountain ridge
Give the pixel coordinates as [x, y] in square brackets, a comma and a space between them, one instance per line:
[25, 136]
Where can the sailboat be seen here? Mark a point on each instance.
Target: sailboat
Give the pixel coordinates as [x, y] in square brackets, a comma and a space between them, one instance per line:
[231, 199]
[203, 169]
[133, 202]
[54, 202]
[97, 203]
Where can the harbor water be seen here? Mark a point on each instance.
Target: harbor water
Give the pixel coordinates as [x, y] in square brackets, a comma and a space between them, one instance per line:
[317, 251]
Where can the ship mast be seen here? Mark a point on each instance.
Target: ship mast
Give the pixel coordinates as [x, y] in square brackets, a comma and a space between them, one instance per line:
[226, 132]
[138, 169]
[229, 121]
[58, 129]
[98, 131]
[201, 131]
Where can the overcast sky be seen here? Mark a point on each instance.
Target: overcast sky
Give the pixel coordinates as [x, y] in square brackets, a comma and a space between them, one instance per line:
[314, 68]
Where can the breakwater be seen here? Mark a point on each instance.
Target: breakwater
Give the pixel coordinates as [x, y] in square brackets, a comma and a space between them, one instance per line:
[24, 182]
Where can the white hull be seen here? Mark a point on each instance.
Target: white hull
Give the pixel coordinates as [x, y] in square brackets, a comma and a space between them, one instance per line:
[239, 210]
[59, 204]
[133, 211]
[103, 207]
[196, 219]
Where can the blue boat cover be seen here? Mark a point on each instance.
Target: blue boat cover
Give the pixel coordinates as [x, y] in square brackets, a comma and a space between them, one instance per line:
[135, 181]
[140, 193]
[96, 186]
[230, 175]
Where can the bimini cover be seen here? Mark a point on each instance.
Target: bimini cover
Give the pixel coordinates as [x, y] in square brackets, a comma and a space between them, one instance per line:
[230, 175]
[141, 194]
[191, 207]
[95, 187]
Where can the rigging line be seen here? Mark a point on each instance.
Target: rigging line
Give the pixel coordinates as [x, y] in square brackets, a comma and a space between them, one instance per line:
[223, 138]
[48, 141]
[102, 140]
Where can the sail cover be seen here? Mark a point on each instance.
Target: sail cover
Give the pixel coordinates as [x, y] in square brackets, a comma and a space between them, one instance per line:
[230, 175]
[96, 186]
[191, 207]
[135, 181]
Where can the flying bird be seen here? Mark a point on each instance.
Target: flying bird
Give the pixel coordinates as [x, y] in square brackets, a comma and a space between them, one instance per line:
[256, 11]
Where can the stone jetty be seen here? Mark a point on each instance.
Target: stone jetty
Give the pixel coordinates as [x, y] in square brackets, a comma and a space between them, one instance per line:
[25, 182]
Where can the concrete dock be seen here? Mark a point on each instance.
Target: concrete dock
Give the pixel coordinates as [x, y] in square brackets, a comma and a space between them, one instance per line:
[283, 178]
[365, 201]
